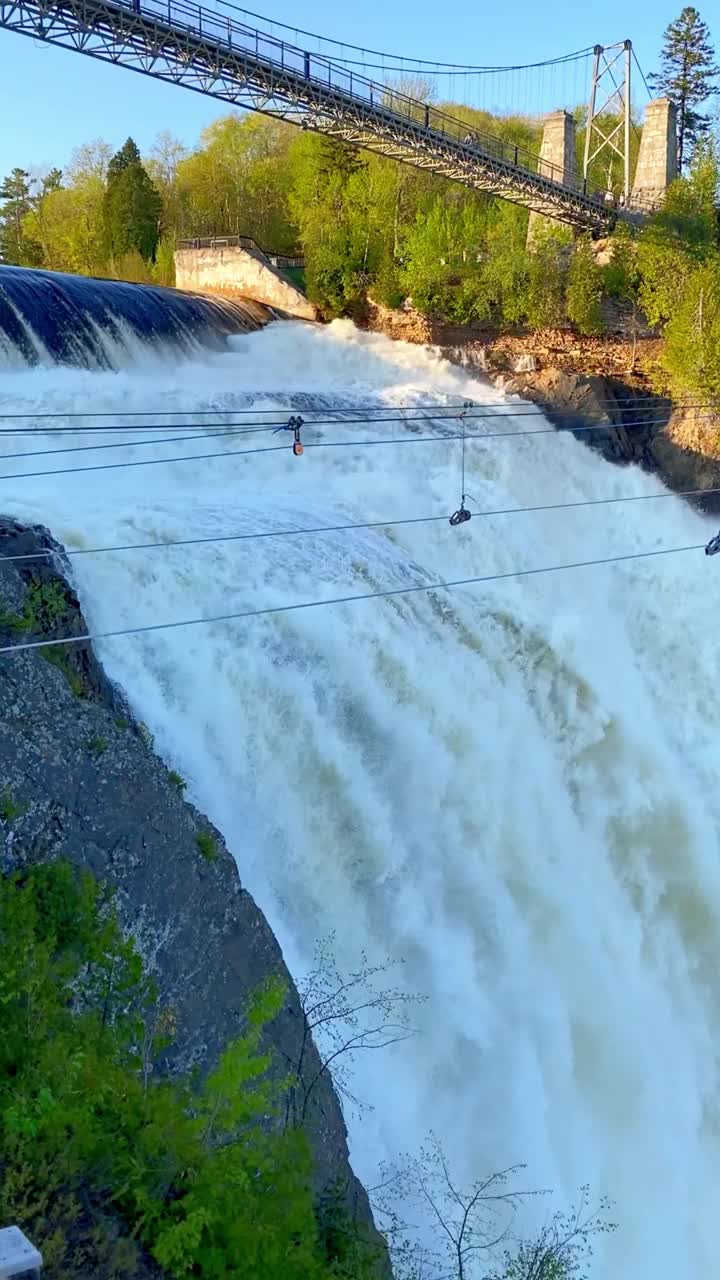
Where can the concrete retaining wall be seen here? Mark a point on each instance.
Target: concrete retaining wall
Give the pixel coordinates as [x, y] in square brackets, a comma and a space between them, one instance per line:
[233, 272]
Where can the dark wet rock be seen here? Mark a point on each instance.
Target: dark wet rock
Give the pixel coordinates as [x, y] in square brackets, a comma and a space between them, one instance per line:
[80, 780]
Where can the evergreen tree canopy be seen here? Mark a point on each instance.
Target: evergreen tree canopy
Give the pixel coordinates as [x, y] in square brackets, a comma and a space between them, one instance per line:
[17, 197]
[132, 207]
[687, 75]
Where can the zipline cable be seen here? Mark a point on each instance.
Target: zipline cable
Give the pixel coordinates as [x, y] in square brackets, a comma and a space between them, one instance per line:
[316, 444]
[361, 408]
[233, 433]
[439, 585]
[658, 418]
[349, 527]
[128, 444]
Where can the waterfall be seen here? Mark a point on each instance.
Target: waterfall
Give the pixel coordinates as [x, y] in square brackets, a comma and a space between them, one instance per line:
[47, 317]
[511, 786]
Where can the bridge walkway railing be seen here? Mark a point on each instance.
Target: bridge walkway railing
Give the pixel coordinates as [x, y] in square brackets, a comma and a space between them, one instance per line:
[319, 71]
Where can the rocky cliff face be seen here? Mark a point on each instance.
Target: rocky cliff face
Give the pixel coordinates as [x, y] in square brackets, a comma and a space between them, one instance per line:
[627, 422]
[79, 780]
[607, 386]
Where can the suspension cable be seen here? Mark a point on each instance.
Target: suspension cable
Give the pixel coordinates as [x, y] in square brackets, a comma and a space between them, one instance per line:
[438, 585]
[642, 73]
[378, 53]
[257, 535]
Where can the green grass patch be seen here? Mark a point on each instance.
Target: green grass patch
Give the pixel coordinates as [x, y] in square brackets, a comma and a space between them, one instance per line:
[9, 809]
[207, 845]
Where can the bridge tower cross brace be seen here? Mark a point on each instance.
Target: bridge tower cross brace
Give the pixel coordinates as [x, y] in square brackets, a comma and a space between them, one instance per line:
[611, 82]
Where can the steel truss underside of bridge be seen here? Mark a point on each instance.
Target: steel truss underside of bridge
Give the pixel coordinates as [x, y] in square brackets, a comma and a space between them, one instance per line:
[144, 42]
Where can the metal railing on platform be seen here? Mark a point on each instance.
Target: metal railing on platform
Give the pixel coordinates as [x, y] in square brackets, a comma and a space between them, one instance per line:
[280, 260]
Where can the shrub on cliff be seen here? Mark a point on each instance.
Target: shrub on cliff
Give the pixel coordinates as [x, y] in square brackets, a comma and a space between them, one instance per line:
[96, 1150]
[680, 238]
[692, 337]
[584, 290]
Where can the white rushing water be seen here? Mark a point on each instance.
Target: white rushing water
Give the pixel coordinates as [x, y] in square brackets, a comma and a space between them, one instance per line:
[512, 785]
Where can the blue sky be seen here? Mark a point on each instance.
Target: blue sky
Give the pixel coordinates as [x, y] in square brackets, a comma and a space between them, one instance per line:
[52, 100]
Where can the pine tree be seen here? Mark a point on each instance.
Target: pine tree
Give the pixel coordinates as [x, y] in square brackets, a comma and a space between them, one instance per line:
[15, 246]
[132, 207]
[687, 75]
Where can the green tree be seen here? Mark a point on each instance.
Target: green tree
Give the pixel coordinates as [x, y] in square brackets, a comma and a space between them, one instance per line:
[16, 195]
[444, 253]
[67, 224]
[507, 262]
[90, 160]
[584, 290]
[98, 1149]
[132, 207]
[237, 182]
[547, 277]
[163, 166]
[51, 182]
[687, 76]
[680, 237]
[328, 203]
[692, 336]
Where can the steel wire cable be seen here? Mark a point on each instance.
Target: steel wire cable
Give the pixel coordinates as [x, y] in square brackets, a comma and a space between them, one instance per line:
[310, 444]
[658, 417]
[169, 544]
[399, 57]
[438, 585]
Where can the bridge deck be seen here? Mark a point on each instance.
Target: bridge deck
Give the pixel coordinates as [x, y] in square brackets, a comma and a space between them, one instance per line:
[203, 50]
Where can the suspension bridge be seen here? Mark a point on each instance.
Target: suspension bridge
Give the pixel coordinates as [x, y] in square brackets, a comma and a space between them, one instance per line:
[248, 66]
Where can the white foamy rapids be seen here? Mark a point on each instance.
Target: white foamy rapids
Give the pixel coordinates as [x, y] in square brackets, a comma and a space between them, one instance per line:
[513, 785]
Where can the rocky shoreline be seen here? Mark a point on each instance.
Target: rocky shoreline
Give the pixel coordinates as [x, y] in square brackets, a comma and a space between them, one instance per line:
[79, 780]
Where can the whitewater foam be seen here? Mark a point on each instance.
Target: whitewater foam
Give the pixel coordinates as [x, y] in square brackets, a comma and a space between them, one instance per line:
[513, 786]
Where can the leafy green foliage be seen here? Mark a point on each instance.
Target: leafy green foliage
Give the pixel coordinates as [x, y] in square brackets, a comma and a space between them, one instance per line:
[680, 239]
[584, 290]
[46, 604]
[193, 1171]
[44, 607]
[563, 1247]
[177, 780]
[546, 279]
[621, 279]
[692, 336]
